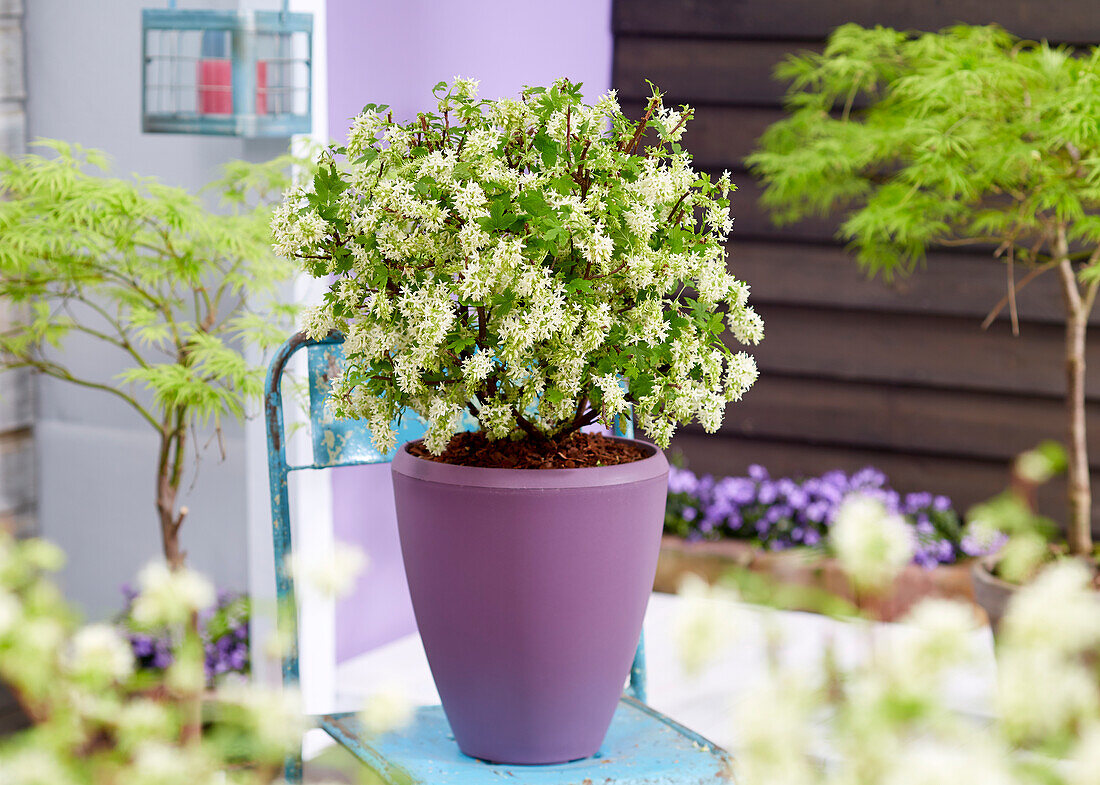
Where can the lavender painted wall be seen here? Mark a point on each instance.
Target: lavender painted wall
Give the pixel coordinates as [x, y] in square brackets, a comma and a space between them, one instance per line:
[392, 52]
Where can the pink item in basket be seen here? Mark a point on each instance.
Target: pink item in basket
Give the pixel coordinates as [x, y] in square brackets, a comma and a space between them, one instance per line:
[215, 83]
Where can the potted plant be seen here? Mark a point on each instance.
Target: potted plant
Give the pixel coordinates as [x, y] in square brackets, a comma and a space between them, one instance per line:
[1013, 516]
[969, 136]
[525, 267]
[150, 273]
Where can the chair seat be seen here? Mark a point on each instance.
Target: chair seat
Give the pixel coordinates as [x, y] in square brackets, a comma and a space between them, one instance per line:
[642, 746]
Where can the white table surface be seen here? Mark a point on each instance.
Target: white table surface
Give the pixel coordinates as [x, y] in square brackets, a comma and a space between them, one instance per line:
[703, 701]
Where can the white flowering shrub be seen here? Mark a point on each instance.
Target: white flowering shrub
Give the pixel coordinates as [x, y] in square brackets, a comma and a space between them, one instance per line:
[531, 261]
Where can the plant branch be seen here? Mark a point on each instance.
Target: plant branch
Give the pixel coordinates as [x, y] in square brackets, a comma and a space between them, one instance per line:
[1020, 284]
[527, 427]
[57, 372]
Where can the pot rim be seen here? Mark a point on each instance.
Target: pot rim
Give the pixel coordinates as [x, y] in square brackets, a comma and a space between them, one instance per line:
[982, 570]
[651, 467]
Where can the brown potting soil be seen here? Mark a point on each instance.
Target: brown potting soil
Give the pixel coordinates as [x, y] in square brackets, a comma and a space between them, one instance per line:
[575, 451]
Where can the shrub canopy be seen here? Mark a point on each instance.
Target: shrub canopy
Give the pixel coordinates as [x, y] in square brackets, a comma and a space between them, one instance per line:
[527, 261]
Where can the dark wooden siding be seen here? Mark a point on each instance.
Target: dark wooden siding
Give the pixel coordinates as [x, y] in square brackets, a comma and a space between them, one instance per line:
[855, 372]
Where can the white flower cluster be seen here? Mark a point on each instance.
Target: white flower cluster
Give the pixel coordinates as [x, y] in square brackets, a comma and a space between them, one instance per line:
[99, 652]
[524, 260]
[872, 546]
[332, 572]
[169, 597]
[1046, 684]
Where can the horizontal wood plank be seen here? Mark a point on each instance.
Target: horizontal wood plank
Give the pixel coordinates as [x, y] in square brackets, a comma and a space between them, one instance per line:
[965, 481]
[721, 137]
[987, 426]
[753, 222]
[710, 72]
[948, 284]
[891, 348]
[1065, 20]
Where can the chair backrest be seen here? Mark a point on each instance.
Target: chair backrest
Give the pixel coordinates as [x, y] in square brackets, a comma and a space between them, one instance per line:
[335, 443]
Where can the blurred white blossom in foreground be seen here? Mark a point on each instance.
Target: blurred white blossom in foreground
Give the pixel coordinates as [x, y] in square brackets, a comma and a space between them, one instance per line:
[706, 623]
[99, 651]
[331, 572]
[883, 717]
[387, 710]
[872, 546]
[170, 596]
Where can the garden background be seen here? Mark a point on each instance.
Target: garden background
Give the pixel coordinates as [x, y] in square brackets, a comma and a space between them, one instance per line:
[853, 372]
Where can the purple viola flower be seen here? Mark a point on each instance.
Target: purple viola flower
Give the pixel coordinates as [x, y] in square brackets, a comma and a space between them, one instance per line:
[682, 481]
[868, 477]
[925, 559]
[917, 501]
[785, 486]
[767, 493]
[737, 490]
[817, 511]
[689, 513]
[758, 473]
[142, 646]
[162, 659]
[798, 498]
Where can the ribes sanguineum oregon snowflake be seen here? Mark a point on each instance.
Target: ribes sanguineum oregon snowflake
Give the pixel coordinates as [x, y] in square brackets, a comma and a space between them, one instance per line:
[537, 263]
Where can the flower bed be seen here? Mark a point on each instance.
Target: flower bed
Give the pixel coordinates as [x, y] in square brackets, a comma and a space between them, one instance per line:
[781, 526]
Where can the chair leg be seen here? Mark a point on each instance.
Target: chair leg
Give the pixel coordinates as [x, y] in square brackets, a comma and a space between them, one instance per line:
[292, 770]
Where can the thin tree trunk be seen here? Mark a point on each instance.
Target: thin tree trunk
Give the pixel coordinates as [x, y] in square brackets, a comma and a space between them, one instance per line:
[1079, 532]
[169, 465]
[1079, 525]
[169, 523]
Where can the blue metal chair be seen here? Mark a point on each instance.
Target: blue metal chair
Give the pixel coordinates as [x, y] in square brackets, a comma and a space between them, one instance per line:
[642, 746]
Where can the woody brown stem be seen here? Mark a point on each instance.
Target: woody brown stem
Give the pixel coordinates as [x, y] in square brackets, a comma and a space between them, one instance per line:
[1079, 524]
[169, 476]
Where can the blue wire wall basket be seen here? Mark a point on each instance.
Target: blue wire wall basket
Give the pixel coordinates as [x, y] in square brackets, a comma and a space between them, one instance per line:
[232, 73]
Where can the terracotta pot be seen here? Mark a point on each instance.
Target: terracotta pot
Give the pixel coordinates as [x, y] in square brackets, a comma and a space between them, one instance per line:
[529, 588]
[803, 567]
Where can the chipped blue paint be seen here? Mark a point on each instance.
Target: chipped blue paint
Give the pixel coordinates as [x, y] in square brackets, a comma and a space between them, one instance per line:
[339, 442]
[643, 746]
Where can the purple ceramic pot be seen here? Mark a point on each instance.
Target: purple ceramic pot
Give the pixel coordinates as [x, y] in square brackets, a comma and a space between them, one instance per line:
[529, 588]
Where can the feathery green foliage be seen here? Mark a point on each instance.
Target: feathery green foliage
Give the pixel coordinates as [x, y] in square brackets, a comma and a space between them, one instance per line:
[177, 289]
[966, 136]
